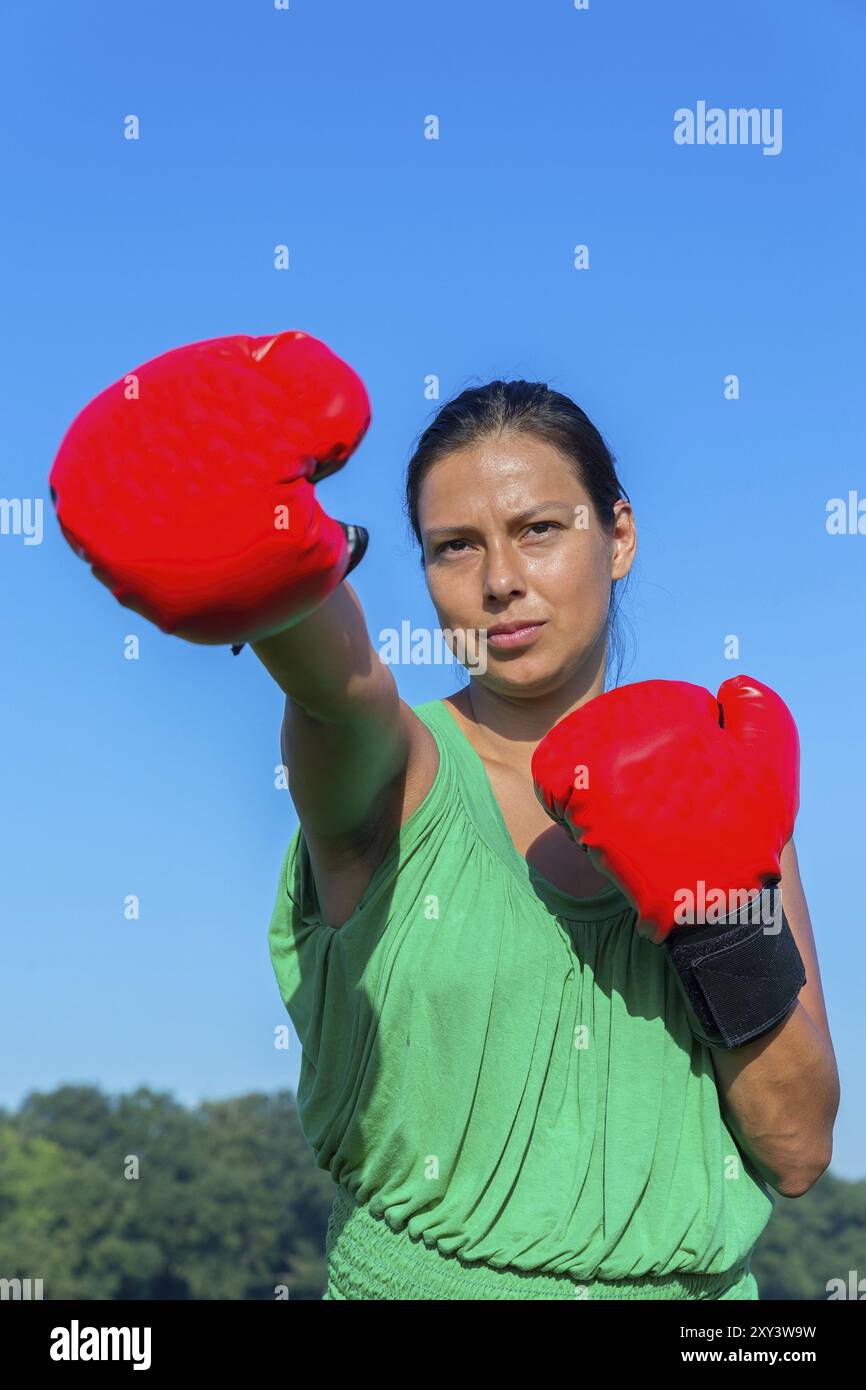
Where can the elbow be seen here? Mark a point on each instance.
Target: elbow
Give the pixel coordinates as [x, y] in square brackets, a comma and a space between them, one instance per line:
[796, 1180]
[797, 1184]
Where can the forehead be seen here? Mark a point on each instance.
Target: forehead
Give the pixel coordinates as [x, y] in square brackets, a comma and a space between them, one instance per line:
[510, 471]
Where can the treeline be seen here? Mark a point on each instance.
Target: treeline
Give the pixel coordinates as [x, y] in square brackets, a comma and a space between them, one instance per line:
[227, 1202]
[138, 1197]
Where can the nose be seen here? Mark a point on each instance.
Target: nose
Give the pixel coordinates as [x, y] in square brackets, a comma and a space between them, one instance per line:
[503, 579]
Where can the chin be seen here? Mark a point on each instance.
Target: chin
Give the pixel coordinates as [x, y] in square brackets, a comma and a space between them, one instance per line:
[523, 677]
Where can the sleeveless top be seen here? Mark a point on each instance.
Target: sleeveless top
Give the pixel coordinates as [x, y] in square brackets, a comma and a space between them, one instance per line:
[500, 1077]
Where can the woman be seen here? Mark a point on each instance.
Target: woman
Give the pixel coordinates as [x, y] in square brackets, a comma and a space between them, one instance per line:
[498, 1071]
[517, 1092]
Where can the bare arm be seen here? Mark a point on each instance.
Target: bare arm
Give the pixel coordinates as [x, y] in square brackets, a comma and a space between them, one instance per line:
[781, 1092]
[343, 738]
[358, 759]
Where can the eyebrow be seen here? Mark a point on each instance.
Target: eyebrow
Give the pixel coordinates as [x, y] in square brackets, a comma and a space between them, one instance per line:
[517, 520]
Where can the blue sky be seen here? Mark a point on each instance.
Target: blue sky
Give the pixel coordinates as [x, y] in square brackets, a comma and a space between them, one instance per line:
[411, 257]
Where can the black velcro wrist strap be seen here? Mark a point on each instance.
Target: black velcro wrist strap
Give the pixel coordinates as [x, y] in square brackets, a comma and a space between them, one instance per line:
[741, 975]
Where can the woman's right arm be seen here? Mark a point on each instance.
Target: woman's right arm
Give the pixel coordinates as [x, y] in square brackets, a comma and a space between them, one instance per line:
[359, 760]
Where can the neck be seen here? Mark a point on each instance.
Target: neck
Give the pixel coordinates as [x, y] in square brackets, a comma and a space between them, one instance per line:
[513, 725]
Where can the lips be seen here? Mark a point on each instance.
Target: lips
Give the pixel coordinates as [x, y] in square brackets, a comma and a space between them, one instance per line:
[514, 635]
[514, 627]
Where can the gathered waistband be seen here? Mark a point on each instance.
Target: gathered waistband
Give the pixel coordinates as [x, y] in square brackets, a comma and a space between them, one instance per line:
[367, 1259]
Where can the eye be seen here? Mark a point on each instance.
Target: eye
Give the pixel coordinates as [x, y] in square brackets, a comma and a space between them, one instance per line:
[443, 548]
[554, 524]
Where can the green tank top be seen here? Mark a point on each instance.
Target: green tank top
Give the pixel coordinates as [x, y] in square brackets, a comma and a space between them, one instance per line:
[496, 1072]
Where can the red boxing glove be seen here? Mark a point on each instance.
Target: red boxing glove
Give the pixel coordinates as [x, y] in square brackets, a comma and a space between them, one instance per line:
[188, 484]
[687, 802]
[677, 793]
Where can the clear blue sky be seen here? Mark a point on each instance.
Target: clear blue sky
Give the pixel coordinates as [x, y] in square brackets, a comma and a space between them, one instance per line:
[411, 257]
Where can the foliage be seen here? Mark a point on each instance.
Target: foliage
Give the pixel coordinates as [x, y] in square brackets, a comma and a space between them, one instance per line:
[227, 1202]
[813, 1239]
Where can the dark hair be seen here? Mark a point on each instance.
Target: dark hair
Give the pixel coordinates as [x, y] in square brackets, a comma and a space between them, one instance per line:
[524, 407]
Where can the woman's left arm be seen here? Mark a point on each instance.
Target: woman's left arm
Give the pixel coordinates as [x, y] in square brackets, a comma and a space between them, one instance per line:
[781, 1091]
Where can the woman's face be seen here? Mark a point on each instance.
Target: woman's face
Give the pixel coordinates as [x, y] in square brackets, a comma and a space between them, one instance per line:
[510, 536]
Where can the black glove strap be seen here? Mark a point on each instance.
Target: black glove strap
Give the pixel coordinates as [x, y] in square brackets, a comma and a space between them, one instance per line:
[742, 974]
